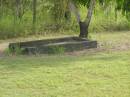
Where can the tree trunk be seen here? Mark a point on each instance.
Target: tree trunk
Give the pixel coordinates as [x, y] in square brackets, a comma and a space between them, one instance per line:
[74, 9]
[34, 15]
[1, 8]
[116, 12]
[18, 9]
[85, 25]
[83, 29]
[67, 16]
[67, 13]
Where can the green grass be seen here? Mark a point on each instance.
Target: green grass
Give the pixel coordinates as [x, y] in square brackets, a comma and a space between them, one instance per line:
[98, 75]
[104, 73]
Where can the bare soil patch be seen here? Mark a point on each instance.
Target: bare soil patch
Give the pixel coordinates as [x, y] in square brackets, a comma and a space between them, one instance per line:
[3, 46]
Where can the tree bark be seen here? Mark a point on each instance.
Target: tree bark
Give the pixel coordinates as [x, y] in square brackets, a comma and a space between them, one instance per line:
[18, 9]
[1, 8]
[85, 25]
[67, 12]
[34, 14]
[83, 29]
[116, 12]
[67, 15]
[74, 9]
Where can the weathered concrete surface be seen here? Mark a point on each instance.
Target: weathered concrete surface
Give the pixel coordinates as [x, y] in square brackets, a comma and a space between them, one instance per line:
[44, 46]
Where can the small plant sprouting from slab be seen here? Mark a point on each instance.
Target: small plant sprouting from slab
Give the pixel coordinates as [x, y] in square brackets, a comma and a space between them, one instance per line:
[15, 50]
[56, 50]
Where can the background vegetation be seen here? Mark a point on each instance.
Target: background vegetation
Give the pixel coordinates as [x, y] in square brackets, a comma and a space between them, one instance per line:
[14, 24]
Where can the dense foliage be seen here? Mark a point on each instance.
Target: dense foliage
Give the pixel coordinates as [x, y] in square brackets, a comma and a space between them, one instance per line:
[16, 16]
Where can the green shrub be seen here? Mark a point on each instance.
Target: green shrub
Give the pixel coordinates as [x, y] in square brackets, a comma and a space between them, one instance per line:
[16, 50]
[56, 50]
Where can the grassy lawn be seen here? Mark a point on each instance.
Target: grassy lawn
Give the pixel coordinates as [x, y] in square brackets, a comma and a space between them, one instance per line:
[101, 74]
